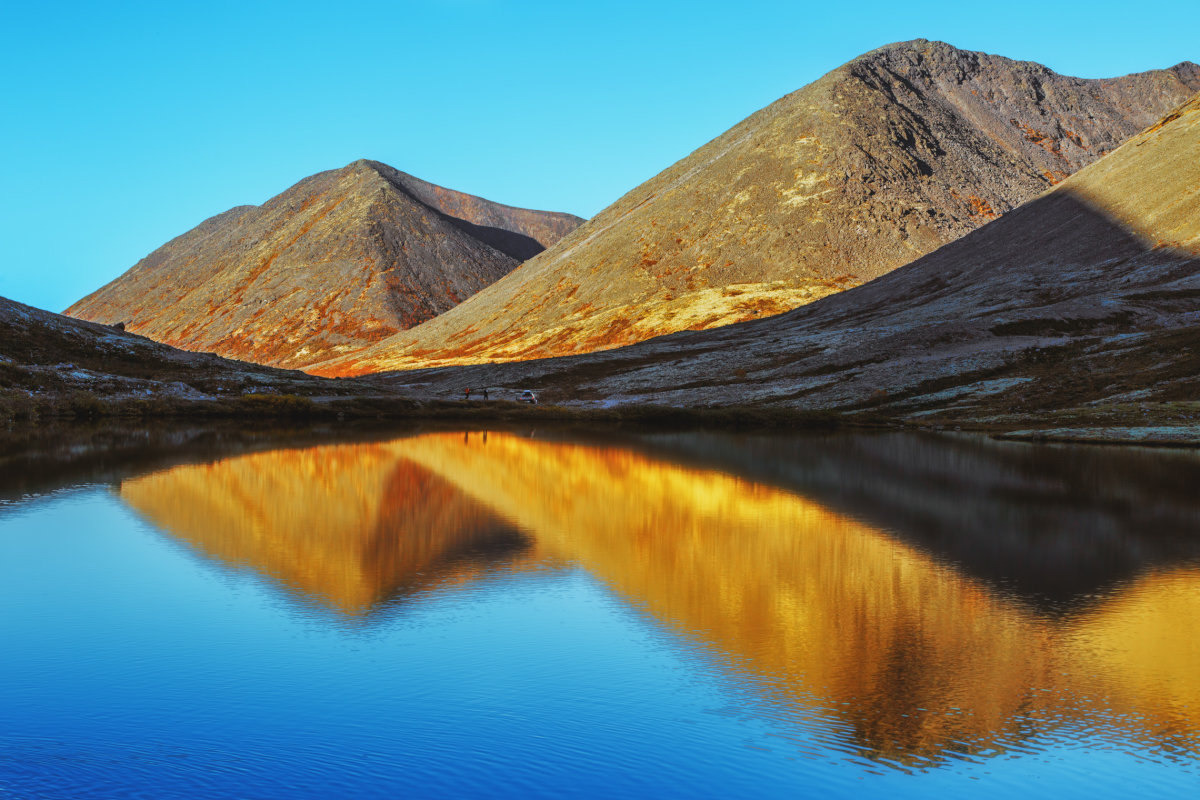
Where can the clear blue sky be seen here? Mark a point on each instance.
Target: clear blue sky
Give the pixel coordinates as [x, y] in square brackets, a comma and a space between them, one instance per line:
[126, 124]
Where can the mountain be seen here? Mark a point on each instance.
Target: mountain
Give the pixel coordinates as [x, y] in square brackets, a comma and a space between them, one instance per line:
[1081, 303]
[875, 164]
[342, 259]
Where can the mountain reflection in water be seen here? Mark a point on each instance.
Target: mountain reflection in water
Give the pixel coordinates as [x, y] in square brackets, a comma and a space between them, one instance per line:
[354, 526]
[909, 656]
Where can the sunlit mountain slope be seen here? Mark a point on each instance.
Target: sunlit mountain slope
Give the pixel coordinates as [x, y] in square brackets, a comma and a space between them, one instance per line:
[877, 163]
[342, 259]
[1082, 298]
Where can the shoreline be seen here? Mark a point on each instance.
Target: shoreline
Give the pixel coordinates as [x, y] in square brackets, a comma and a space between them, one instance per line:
[54, 410]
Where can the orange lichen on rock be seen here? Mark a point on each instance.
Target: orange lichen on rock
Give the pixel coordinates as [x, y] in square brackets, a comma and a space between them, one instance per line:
[981, 207]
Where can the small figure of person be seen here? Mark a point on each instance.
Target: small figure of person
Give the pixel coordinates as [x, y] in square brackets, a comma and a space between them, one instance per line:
[485, 395]
[467, 394]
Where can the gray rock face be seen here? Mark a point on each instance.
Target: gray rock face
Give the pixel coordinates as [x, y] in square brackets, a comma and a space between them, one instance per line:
[342, 259]
[876, 164]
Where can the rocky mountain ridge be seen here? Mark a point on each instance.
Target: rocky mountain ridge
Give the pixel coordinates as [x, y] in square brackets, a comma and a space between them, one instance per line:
[342, 259]
[877, 163]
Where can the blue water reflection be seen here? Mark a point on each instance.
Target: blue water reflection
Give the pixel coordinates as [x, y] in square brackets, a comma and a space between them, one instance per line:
[555, 619]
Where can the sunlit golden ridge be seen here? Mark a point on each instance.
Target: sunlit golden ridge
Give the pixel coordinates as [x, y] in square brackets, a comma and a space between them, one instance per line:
[830, 613]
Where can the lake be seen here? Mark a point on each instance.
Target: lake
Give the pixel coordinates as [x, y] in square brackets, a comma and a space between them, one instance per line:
[553, 613]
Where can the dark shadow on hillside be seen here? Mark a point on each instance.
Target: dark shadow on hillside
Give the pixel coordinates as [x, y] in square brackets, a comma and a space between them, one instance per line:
[517, 245]
[1057, 248]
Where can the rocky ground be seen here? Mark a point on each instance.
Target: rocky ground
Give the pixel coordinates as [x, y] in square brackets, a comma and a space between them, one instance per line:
[50, 363]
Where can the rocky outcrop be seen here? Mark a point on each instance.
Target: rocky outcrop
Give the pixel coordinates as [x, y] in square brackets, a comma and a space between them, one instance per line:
[342, 259]
[876, 164]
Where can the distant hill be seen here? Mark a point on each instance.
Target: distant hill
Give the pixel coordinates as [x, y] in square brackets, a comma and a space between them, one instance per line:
[1081, 302]
[342, 259]
[878, 163]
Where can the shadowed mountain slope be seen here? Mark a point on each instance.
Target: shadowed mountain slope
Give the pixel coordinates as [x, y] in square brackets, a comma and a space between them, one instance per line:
[50, 354]
[877, 163]
[342, 259]
[1086, 295]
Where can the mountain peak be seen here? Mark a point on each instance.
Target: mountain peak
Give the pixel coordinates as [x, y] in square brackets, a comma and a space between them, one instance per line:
[905, 46]
[1186, 70]
[519, 232]
[933, 59]
[921, 48]
[341, 259]
[366, 165]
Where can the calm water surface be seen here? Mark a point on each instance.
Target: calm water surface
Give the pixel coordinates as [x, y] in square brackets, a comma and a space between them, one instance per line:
[467, 614]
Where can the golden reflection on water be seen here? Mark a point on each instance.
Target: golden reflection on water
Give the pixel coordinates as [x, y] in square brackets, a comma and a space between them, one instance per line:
[910, 658]
[351, 525]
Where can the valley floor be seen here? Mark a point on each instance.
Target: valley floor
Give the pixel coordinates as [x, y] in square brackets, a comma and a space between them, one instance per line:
[1169, 424]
